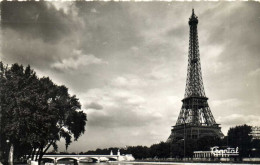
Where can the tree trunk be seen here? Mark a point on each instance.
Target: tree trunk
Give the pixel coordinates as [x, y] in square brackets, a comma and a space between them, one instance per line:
[46, 149]
[43, 151]
[40, 156]
[11, 155]
[37, 154]
[30, 155]
[33, 154]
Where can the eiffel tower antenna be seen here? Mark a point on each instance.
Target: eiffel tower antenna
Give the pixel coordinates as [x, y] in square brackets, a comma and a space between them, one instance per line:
[195, 119]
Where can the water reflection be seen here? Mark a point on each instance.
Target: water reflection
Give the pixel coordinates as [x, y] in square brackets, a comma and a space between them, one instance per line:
[120, 163]
[101, 163]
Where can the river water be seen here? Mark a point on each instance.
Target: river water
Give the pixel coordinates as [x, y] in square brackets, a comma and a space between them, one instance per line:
[148, 163]
[126, 163]
[121, 163]
[163, 163]
[129, 163]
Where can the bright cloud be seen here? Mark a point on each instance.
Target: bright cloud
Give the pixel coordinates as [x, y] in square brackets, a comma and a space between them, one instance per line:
[255, 72]
[77, 61]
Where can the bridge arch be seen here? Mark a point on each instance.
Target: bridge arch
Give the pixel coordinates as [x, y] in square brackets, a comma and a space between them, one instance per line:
[67, 158]
[84, 158]
[112, 159]
[95, 159]
[46, 159]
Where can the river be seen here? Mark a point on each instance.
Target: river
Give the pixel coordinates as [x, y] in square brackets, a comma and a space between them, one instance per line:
[123, 163]
[167, 163]
[150, 163]
[161, 163]
[128, 163]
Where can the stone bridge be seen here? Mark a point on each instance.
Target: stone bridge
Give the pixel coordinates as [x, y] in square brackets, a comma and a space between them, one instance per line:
[78, 158]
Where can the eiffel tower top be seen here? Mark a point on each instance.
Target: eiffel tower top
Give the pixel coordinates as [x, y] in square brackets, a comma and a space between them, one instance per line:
[194, 82]
[193, 18]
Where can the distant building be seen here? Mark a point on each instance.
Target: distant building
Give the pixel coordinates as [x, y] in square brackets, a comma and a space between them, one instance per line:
[217, 152]
[255, 132]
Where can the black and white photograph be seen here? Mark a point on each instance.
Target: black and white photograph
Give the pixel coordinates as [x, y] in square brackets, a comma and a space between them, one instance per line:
[129, 82]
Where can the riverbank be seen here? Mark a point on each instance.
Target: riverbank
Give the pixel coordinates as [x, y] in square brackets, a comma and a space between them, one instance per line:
[186, 163]
[192, 161]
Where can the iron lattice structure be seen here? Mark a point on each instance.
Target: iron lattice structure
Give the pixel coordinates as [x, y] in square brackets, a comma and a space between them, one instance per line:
[195, 119]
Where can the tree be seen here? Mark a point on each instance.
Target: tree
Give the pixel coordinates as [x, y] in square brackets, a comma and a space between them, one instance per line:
[178, 150]
[206, 142]
[240, 137]
[161, 150]
[139, 152]
[36, 112]
[255, 148]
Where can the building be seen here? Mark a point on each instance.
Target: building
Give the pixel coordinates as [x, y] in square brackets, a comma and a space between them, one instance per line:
[217, 152]
[255, 133]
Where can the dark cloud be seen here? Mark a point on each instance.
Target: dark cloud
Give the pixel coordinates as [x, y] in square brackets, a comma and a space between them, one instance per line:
[107, 29]
[37, 33]
[38, 20]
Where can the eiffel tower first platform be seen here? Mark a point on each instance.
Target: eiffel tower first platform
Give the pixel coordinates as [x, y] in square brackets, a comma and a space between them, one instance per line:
[195, 119]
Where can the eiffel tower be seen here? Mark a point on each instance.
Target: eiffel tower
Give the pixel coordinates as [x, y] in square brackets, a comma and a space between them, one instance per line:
[195, 119]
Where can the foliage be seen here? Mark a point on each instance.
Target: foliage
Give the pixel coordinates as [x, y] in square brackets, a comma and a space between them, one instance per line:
[255, 148]
[36, 113]
[161, 150]
[239, 137]
[179, 150]
[139, 152]
[206, 142]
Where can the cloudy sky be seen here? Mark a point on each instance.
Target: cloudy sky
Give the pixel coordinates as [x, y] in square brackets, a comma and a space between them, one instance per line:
[127, 61]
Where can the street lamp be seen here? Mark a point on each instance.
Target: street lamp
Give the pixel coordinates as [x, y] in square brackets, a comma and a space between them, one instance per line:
[6, 147]
[184, 135]
[184, 140]
[7, 144]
